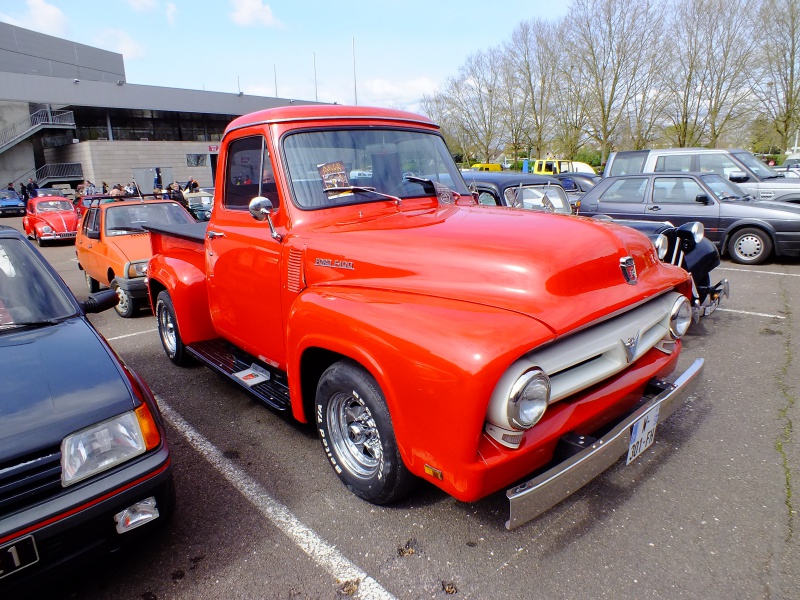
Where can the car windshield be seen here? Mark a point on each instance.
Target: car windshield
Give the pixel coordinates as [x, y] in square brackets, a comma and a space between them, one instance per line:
[722, 188]
[131, 218]
[383, 159]
[203, 200]
[54, 206]
[539, 197]
[42, 193]
[28, 293]
[8, 195]
[761, 170]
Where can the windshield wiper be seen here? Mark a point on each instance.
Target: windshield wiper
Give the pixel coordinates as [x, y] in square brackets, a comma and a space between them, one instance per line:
[135, 229]
[361, 189]
[31, 324]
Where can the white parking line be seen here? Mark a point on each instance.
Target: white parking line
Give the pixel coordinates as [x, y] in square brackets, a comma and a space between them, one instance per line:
[753, 314]
[757, 272]
[323, 553]
[127, 335]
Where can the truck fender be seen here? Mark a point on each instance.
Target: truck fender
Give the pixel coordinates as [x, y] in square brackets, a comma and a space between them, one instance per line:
[186, 284]
[432, 356]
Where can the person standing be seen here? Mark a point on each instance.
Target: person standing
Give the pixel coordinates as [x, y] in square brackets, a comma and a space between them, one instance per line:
[10, 187]
[32, 185]
[23, 192]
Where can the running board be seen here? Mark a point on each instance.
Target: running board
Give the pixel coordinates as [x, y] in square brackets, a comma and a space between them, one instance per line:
[225, 358]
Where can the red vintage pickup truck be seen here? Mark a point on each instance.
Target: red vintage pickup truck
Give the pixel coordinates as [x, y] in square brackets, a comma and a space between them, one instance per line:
[348, 275]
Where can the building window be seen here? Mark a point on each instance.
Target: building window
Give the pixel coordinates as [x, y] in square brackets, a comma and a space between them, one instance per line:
[196, 160]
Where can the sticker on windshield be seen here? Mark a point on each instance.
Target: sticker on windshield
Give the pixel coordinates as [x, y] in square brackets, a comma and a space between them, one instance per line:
[334, 175]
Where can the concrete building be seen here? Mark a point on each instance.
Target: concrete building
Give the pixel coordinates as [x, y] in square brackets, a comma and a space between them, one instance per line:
[68, 113]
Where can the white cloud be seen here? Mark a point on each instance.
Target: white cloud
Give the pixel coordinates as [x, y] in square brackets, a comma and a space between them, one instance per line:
[120, 41]
[381, 92]
[253, 12]
[142, 5]
[41, 17]
[172, 12]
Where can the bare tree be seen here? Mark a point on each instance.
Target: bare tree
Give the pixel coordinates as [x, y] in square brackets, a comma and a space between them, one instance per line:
[516, 105]
[605, 45]
[778, 87]
[532, 54]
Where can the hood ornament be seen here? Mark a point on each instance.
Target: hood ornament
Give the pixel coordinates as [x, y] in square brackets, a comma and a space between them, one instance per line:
[630, 346]
[628, 269]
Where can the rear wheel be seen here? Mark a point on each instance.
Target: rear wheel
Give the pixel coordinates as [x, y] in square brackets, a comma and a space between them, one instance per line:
[168, 331]
[750, 246]
[127, 305]
[91, 283]
[357, 434]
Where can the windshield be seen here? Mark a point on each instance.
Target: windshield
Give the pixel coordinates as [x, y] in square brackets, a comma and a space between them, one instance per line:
[28, 292]
[539, 197]
[382, 159]
[8, 195]
[54, 206]
[46, 193]
[723, 189]
[203, 200]
[761, 170]
[121, 220]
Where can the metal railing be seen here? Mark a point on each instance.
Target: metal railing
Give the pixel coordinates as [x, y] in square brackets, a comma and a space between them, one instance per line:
[59, 171]
[63, 118]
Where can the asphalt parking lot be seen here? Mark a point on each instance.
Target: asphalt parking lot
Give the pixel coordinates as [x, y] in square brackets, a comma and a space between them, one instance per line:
[709, 511]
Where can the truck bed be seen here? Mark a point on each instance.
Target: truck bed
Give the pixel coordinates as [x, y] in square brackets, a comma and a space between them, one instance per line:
[195, 232]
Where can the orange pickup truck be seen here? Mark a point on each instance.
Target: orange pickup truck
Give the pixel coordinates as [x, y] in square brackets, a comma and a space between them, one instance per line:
[347, 275]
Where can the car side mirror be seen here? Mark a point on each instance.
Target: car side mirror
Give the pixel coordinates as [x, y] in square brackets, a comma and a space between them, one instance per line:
[738, 176]
[261, 208]
[702, 199]
[94, 235]
[100, 301]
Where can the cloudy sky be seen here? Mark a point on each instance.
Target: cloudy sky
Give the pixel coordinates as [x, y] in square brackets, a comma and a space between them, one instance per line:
[316, 49]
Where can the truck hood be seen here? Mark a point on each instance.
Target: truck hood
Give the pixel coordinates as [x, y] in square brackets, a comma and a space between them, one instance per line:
[563, 271]
[56, 380]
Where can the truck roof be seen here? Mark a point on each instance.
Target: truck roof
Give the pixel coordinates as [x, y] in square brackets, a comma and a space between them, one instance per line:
[325, 111]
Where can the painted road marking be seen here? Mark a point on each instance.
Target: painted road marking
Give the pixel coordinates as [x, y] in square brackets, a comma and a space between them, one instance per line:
[757, 272]
[127, 335]
[322, 553]
[747, 312]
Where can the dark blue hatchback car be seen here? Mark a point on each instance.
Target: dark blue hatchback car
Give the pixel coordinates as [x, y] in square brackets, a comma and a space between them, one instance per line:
[84, 461]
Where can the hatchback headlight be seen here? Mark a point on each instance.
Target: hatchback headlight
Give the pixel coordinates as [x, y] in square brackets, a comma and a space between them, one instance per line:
[138, 269]
[680, 317]
[528, 399]
[106, 445]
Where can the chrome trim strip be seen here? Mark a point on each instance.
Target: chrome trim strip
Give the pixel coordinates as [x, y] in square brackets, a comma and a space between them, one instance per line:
[530, 499]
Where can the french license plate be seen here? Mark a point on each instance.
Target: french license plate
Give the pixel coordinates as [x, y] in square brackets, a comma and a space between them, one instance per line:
[17, 555]
[643, 433]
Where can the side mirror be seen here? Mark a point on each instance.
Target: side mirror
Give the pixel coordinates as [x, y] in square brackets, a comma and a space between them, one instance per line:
[94, 235]
[260, 207]
[738, 176]
[100, 301]
[702, 199]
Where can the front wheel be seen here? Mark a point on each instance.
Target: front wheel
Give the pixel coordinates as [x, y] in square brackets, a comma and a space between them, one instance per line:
[126, 307]
[91, 283]
[168, 331]
[357, 434]
[750, 246]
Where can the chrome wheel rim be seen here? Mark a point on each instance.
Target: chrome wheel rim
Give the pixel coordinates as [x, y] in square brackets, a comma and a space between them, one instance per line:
[166, 327]
[749, 247]
[354, 435]
[88, 280]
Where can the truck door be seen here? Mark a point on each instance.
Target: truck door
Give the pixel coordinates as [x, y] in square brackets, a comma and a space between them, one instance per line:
[242, 259]
[674, 199]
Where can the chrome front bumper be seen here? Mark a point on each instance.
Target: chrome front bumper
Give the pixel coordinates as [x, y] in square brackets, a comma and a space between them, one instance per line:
[530, 499]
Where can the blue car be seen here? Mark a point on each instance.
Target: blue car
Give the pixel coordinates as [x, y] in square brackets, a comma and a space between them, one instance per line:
[11, 203]
[84, 460]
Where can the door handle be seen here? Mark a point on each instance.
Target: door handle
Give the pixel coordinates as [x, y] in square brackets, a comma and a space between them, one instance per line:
[654, 208]
[212, 235]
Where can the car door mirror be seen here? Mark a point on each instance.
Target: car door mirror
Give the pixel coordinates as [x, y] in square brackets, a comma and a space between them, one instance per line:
[738, 176]
[94, 235]
[702, 199]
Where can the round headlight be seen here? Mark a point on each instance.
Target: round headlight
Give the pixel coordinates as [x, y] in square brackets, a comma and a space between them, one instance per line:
[680, 317]
[47, 229]
[528, 399]
[661, 243]
[696, 229]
